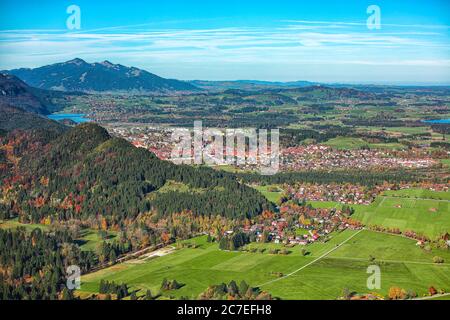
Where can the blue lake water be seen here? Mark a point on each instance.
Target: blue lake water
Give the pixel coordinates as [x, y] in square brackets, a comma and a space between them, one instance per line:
[76, 117]
[438, 121]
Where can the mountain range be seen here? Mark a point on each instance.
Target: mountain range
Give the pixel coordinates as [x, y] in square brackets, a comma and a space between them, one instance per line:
[112, 176]
[15, 92]
[79, 75]
[21, 107]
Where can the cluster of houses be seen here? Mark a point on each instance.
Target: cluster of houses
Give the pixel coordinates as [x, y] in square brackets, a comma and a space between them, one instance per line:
[299, 225]
[276, 232]
[319, 157]
[350, 193]
[343, 193]
[158, 140]
[154, 139]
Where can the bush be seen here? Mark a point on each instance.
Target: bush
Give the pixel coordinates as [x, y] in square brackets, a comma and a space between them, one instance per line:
[437, 259]
[396, 293]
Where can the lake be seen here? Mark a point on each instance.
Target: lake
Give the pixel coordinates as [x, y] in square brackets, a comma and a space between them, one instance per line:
[76, 117]
[438, 121]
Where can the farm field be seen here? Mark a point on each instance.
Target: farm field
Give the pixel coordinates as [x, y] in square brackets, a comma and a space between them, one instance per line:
[406, 266]
[348, 143]
[407, 130]
[421, 210]
[419, 193]
[426, 216]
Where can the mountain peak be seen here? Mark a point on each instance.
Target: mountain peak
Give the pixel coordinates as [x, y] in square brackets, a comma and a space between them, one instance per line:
[105, 76]
[16, 93]
[77, 61]
[107, 63]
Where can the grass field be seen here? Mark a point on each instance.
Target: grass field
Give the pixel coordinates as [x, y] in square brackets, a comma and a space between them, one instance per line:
[408, 130]
[14, 223]
[301, 231]
[91, 239]
[426, 216]
[346, 143]
[419, 193]
[421, 210]
[404, 130]
[445, 162]
[230, 168]
[270, 195]
[406, 266]
[174, 186]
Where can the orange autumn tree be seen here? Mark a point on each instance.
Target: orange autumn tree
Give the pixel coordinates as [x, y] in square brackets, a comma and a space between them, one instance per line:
[396, 293]
[165, 237]
[104, 224]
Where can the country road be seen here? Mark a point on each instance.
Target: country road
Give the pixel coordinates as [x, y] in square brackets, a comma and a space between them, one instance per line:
[433, 297]
[314, 261]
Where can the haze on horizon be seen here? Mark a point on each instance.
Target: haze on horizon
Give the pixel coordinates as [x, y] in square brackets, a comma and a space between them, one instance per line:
[234, 40]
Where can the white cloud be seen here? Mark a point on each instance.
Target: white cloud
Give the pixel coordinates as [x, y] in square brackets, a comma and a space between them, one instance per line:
[295, 43]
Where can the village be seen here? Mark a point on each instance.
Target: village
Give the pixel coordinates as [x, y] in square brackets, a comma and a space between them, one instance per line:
[320, 157]
[157, 139]
[349, 193]
[297, 224]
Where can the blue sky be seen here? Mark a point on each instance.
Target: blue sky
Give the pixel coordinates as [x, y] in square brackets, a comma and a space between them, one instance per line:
[326, 41]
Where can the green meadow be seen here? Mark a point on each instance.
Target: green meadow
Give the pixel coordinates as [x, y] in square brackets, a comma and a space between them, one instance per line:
[90, 239]
[314, 276]
[427, 216]
[325, 204]
[346, 143]
[404, 130]
[273, 196]
[445, 162]
[421, 210]
[419, 193]
[14, 223]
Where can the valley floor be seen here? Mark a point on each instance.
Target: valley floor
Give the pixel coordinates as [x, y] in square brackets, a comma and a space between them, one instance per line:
[321, 274]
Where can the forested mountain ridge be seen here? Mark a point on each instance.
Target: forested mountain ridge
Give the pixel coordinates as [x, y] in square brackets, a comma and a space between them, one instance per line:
[78, 75]
[86, 173]
[81, 178]
[14, 92]
[12, 118]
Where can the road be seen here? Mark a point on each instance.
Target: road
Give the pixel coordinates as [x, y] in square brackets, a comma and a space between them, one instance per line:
[314, 261]
[138, 253]
[433, 297]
